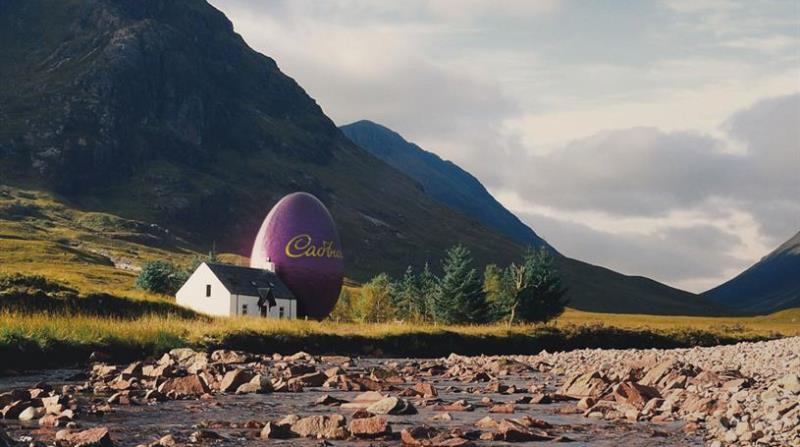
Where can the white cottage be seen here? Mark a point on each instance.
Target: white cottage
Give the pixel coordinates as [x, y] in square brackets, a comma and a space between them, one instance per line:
[229, 290]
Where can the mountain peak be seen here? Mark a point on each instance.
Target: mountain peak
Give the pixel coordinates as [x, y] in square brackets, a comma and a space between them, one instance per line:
[442, 180]
[771, 284]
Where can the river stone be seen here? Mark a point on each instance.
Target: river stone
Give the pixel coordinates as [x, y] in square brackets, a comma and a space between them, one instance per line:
[234, 379]
[274, 430]
[228, 357]
[14, 409]
[634, 394]
[591, 384]
[371, 427]
[93, 437]
[391, 405]
[790, 383]
[188, 385]
[30, 414]
[512, 431]
[321, 427]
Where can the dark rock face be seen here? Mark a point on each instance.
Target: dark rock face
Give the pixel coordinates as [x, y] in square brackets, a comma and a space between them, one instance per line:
[157, 111]
[135, 81]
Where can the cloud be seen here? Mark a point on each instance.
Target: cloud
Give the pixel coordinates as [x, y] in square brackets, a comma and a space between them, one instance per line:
[689, 257]
[642, 127]
[648, 172]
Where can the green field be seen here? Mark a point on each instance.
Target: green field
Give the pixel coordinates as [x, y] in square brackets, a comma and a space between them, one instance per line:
[90, 303]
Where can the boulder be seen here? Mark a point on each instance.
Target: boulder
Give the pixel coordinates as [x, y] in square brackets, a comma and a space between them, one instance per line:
[418, 436]
[327, 399]
[425, 390]
[313, 379]
[227, 357]
[634, 394]
[502, 408]
[274, 430]
[191, 385]
[486, 423]
[186, 358]
[459, 405]
[512, 431]
[790, 383]
[591, 384]
[233, 379]
[392, 405]
[371, 427]
[14, 409]
[93, 437]
[321, 427]
[31, 413]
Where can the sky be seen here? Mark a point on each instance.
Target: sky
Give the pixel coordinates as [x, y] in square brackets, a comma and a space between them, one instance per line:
[656, 138]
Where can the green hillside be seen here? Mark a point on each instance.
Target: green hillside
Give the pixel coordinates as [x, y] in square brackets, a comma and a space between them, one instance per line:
[143, 129]
[156, 111]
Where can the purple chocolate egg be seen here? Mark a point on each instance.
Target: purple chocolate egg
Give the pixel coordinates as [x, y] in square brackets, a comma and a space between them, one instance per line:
[300, 239]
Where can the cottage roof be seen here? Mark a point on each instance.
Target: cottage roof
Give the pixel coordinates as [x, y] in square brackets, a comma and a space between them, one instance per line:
[247, 281]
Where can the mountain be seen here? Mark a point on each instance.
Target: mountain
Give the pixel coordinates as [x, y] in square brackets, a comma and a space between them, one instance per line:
[156, 111]
[141, 129]
[443, 180]
[590, 287]
[772, 284]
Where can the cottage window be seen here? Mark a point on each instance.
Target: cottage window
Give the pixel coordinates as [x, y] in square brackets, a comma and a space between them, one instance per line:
[244, 309]
[208, 290]
[280, 312]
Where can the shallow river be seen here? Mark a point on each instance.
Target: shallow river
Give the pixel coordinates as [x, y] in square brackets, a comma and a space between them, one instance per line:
[133, 425]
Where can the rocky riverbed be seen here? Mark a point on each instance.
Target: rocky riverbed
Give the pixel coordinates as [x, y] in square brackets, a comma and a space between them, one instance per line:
[745, 394]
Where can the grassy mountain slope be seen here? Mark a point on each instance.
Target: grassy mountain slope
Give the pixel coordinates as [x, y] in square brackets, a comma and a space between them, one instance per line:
[443, 180]
[154, 118]
[591, 287]
[156, 111]
[773, 283]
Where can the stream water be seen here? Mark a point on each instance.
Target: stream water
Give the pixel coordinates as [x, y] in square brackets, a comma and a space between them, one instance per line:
[134, 425]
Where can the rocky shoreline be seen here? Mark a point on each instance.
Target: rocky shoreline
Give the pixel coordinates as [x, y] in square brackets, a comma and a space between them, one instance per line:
[744, 394]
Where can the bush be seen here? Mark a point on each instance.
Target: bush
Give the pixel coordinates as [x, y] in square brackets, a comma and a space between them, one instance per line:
[161, 277]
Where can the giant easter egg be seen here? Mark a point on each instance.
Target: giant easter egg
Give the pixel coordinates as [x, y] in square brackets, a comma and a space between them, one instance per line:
[298, 237]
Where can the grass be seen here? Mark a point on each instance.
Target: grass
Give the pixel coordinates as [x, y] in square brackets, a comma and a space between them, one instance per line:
[45, 339]
[785, 323]
[89, 303]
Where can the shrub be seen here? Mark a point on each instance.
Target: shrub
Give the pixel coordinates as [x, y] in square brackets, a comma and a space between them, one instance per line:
[161, 277]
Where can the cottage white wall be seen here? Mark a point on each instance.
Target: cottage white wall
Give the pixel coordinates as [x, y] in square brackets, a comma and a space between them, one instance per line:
[193, 294]
[238, 302]
[289, 309]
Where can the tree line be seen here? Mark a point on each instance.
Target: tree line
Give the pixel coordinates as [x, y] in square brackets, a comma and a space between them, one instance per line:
[530, 291]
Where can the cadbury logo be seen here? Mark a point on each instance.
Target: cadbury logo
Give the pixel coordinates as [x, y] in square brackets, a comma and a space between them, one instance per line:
[302, 246]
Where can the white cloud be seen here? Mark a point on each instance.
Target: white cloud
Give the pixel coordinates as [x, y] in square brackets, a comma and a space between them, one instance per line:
[615, 122]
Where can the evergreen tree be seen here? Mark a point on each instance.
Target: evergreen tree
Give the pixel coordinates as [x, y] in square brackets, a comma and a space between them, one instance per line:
[547, 299]
[459, 297]
[408, 300]
[496, 287]
[534, 289]
[427, 283]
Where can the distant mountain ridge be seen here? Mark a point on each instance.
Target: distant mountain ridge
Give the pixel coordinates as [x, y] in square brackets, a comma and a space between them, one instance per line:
[771, 284]
[443, 180]
[590, 287]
